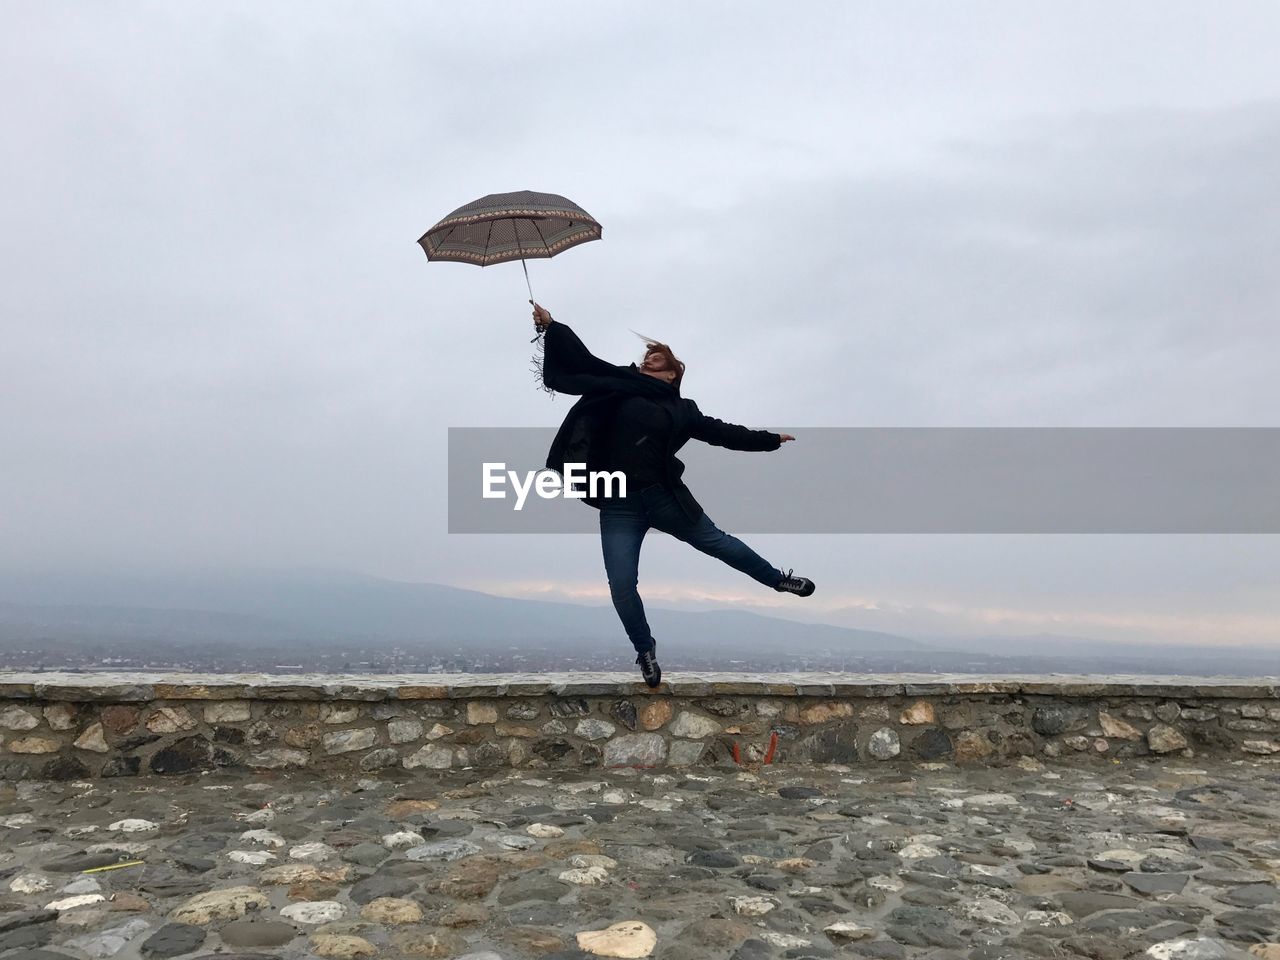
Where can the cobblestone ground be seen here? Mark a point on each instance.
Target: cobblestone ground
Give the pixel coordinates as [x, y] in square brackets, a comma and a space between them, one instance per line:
[1177, 860]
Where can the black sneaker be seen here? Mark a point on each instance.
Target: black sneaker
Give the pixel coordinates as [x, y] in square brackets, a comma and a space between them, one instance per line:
[798, 585]
[649, 666]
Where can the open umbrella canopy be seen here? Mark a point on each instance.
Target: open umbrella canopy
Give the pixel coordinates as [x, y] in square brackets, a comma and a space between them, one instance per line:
[524, 225]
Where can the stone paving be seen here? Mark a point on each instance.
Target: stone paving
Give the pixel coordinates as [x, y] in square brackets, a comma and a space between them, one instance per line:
[1168, 859]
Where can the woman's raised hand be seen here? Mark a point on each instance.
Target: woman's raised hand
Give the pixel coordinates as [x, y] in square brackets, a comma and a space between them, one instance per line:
[541, 317]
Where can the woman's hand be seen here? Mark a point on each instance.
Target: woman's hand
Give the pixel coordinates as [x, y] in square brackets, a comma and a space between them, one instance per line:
[541, 318]
[785, 437]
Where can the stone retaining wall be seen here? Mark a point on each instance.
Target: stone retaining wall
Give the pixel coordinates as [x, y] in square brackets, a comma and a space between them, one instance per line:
[67, 726]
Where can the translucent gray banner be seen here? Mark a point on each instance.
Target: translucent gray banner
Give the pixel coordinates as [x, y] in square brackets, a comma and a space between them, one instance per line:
[914, 480]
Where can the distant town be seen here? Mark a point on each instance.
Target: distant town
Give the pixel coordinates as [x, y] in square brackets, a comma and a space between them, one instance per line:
[308, 657]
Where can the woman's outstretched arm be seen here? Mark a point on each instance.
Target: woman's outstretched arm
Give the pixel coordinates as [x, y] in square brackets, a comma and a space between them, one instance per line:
[567, 365]
[733, 436]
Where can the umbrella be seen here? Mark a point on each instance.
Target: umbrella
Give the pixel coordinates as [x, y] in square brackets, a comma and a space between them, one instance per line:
[510, 226]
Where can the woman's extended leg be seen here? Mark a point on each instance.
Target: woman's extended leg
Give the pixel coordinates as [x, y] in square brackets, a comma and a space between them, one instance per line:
[711, 540]
[665, 515]
[621, 536]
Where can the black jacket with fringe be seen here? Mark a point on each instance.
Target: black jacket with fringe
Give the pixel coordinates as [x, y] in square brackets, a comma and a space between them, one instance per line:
[567, 366]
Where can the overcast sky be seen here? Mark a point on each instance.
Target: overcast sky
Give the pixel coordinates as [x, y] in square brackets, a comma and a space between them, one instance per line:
[223, 347]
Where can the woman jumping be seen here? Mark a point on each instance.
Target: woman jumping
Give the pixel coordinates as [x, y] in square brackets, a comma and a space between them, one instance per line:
[632, 419]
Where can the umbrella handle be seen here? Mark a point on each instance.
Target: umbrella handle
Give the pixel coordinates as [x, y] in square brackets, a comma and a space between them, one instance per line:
[530, 286]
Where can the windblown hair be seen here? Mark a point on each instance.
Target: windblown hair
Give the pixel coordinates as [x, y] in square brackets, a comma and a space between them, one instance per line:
[656, 346]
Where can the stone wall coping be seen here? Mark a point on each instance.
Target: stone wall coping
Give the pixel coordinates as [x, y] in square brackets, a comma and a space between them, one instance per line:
[144, 686]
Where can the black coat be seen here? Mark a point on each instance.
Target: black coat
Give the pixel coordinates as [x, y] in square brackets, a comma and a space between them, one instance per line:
[569, 367]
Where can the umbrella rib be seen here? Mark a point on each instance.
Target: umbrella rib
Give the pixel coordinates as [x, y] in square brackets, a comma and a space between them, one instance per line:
[545, 245]
[487, 236]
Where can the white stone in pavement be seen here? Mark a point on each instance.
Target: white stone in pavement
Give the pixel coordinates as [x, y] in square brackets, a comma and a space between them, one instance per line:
[132, 847]
[991, 800]
[314, 851]
[1201, 948]
[544, 831]
[267, 838]
[515, 841]
[133, 826]
[918, 851]
[845, 931]
[253, 857]
[29, 883]
[259, 818]
[402, 840]
[787, 941]
[630, 940]
[584, 876]
[314, 911]
[1048, 918]
[443, 850]
[1130, 858]
[585, 860]
[586, 786]
[752, 906]
[891, 885]
[70, 903]
[987, 910]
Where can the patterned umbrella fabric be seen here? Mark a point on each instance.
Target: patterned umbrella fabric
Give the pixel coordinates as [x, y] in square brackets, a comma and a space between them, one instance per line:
[524, 225]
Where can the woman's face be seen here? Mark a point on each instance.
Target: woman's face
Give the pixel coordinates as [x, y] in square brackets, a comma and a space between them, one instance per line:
[658, 364]
[655, 362]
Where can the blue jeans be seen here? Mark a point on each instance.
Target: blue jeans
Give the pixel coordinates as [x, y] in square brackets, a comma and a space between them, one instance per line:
[622, 529]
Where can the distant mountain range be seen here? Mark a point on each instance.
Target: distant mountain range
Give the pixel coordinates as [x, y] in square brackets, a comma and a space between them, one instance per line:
[339, 607]
[214, 620]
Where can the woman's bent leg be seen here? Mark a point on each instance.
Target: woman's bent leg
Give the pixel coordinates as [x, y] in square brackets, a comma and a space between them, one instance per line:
[621, 536]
